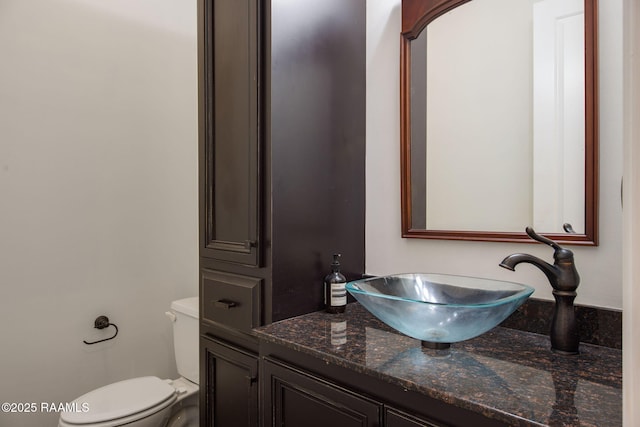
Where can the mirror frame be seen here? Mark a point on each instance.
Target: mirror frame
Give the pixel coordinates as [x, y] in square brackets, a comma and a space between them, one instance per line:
[416, 15]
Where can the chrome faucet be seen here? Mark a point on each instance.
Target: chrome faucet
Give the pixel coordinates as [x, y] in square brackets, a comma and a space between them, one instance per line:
[564, 279]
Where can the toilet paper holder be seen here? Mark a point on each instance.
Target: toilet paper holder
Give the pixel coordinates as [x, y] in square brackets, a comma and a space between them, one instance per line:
[102, 322]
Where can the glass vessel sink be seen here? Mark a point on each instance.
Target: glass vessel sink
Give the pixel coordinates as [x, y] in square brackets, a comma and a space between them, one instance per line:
[439, 309]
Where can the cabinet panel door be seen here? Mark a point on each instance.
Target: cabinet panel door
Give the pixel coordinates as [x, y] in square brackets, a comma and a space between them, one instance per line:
[396, 418]
[230, 395]
[294, 398]
[229, 131]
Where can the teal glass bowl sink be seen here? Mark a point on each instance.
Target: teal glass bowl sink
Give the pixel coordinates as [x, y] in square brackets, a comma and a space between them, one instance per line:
[439, 309]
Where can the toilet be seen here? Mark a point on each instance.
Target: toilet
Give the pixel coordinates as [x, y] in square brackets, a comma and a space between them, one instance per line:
[149, 401]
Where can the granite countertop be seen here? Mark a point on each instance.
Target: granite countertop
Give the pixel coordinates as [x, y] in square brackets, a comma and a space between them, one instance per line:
[505, 374]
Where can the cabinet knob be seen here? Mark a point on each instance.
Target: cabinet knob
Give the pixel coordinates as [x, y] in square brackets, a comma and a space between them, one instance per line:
[248, 244]
[226, 304]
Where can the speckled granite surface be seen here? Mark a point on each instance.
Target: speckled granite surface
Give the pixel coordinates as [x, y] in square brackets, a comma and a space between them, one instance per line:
[506, 374]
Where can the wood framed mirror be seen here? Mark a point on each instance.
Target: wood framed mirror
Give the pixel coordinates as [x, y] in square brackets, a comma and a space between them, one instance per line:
[499, 120]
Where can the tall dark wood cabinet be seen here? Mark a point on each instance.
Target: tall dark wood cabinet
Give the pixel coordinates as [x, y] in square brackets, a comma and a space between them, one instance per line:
[282, 176]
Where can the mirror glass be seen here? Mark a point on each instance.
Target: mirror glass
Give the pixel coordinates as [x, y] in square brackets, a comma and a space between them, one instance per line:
[499, 119]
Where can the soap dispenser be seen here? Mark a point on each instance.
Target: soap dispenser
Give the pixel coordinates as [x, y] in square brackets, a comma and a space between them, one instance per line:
[335, 293]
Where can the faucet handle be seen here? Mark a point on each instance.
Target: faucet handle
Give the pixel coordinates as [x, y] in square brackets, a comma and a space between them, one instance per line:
[559, 251]
[535, 236]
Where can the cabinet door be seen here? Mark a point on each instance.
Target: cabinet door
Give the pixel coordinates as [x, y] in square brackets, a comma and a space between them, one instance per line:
[229, 188]
[294, 398]
[396, 418]
[229, 388]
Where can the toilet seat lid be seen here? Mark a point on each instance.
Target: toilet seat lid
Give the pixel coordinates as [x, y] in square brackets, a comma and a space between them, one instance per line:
[119, 400]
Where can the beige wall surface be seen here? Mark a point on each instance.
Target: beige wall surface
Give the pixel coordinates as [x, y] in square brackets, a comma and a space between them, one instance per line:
[98, 192]
[387, 252]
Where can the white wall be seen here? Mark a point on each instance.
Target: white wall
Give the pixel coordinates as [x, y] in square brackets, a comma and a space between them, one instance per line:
[631, 240]
[98, 191]
[386, 252]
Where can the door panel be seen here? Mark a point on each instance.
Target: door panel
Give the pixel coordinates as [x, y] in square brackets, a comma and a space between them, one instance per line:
[295, 398]
[230, 191]
[230, 397]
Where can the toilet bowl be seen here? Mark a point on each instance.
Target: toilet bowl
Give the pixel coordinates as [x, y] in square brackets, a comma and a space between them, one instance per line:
[148, 401]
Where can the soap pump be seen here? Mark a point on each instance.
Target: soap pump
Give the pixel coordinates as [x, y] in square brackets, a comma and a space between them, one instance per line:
[335, 293]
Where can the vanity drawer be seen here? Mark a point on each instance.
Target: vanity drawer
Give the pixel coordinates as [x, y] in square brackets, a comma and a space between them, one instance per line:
[231, 299]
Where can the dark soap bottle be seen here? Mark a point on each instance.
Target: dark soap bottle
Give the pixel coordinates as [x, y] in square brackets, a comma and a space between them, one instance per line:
[335, 293]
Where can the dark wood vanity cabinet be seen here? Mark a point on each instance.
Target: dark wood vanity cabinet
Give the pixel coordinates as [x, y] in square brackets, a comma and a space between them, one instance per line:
[295, 397]
[281, 169]
[299, 389]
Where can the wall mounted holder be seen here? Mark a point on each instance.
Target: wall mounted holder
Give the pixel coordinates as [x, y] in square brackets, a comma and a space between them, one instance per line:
[102, 322]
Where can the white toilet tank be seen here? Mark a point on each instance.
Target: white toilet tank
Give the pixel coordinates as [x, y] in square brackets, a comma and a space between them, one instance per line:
[185, 337]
